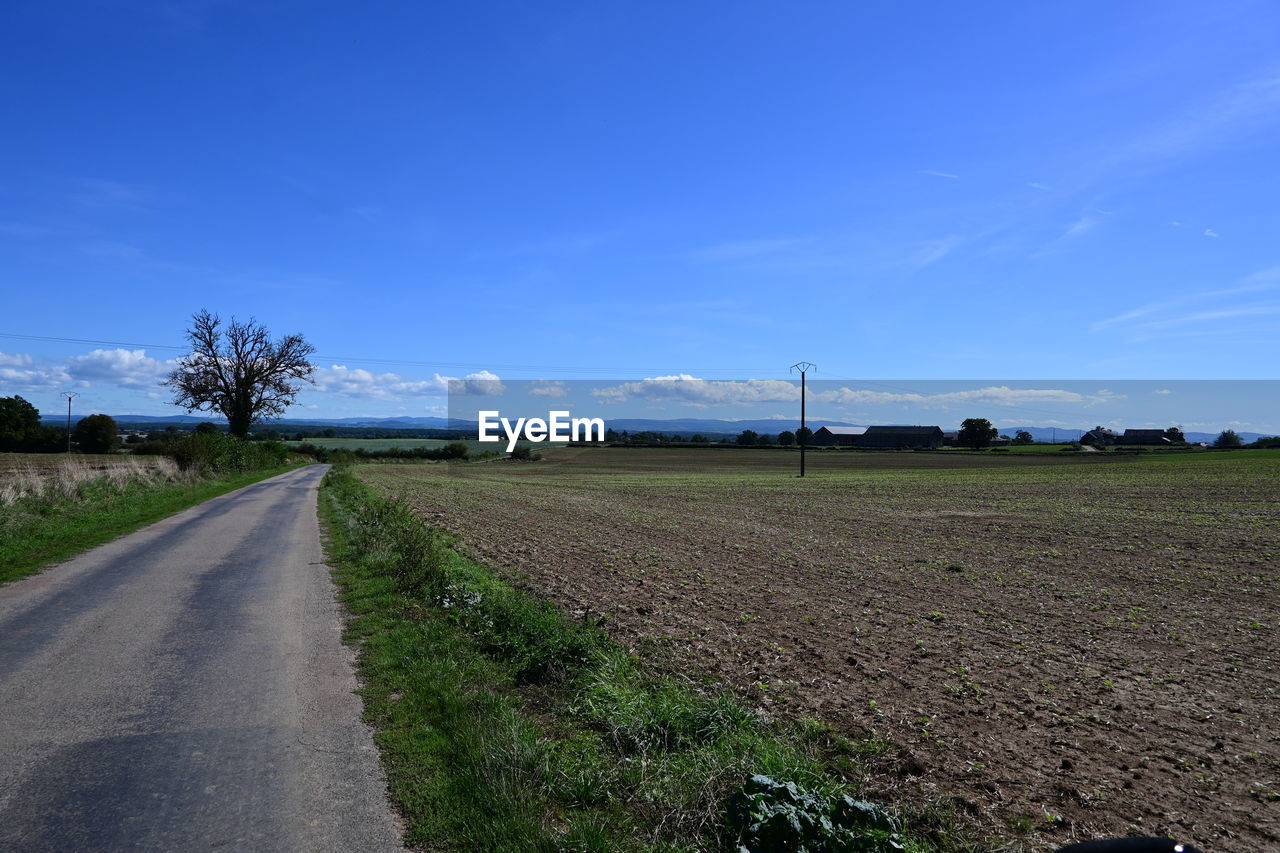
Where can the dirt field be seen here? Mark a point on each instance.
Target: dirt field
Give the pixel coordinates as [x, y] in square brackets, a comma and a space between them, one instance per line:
[1060, 646]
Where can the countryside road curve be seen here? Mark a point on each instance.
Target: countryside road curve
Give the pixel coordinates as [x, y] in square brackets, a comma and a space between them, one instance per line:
[185, 688]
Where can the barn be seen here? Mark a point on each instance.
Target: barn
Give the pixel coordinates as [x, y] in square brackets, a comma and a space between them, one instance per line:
[901, 436]
[1144, 436]
[836, 436]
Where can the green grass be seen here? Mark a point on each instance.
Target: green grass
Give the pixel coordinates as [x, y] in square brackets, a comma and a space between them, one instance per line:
[504, 725]
[37, 533]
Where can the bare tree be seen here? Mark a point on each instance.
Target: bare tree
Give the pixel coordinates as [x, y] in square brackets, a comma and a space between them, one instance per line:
[239, 371]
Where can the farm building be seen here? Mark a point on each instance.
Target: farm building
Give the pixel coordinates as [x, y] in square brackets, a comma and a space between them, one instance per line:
[1144, 436]
[901, 436]
[1100, 436]
[837, 436]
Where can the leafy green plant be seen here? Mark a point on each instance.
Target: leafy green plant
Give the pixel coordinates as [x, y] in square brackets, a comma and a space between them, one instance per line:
[767, 815]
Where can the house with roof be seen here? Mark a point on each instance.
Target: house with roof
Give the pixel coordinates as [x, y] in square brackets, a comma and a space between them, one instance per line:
[836, 436]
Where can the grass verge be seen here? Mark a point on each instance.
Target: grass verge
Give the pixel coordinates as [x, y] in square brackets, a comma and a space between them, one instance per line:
[506, 726]
[38, 533]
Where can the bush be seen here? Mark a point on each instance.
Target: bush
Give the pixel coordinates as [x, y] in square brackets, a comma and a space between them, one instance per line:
[525, 453]
[215, 452]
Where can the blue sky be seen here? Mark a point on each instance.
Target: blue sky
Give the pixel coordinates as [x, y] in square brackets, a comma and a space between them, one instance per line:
[569, 190]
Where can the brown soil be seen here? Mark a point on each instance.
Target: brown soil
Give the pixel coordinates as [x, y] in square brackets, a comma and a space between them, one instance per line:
[1059, 648]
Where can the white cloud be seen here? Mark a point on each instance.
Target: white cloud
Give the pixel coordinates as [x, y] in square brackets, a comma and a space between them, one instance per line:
[126, 368]
[357, 382]
[1162, 391]
[1038, 186]
[701, 392]
[548, 388]
[935, 174]
[693, 391]
[1209, 232]
[20, 373]
[481, 384]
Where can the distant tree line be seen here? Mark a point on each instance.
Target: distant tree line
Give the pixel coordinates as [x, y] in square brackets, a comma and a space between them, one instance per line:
[21, 431]
[454, 450]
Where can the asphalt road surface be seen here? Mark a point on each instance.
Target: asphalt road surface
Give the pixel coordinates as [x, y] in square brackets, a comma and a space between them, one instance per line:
[185, 688]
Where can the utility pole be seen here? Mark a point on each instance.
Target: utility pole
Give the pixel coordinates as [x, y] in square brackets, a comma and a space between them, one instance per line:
[804, 367]
[70, 395]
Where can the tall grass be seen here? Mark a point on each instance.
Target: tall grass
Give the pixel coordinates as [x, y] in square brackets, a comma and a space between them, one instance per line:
[71, 478]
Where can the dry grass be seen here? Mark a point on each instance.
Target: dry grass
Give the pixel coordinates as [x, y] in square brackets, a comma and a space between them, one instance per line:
[52, 478]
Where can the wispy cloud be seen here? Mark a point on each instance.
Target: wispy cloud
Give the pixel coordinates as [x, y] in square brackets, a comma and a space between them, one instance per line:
[23, 230]
[935, 174]
[738, 250]
[1223, 314]
[1083, 225]
[1215, 308]
[1242, 109]
[1035, 185]
[113, 195]
[1209, 232]
[932, 251]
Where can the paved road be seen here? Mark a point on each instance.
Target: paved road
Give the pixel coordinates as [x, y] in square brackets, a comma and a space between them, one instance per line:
[185, 688]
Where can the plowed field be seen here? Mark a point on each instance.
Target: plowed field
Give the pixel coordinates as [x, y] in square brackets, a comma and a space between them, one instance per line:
[1059, 646]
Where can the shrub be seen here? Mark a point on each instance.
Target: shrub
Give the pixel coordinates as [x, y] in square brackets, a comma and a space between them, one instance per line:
[215, 452]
